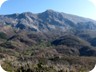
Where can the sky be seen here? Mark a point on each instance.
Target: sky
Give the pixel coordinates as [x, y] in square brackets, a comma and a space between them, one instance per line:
[84, 8]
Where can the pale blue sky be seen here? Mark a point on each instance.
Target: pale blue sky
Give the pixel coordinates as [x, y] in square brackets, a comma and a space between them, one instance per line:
[78, 7]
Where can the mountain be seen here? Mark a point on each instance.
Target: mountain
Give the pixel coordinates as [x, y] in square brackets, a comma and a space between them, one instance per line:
[50, 37]
[48, 25]
[46, 21]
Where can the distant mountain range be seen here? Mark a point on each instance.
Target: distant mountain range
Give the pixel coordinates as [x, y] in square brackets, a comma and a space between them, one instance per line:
[28, 29]
[47, 42]
[47, 21]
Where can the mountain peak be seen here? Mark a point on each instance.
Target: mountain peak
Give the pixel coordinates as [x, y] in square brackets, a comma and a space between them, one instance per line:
[27, 13]
[49, 10]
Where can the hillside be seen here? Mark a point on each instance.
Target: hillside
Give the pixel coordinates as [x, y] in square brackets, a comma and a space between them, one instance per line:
[47, 40]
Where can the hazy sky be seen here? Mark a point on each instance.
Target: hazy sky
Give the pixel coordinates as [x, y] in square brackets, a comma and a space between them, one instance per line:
[83, 8]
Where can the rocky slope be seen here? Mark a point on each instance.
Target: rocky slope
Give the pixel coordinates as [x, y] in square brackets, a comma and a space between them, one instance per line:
[29, 29]
[51, 37]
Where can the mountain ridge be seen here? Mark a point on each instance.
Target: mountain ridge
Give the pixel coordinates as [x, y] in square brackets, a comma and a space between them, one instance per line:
[30, 29]
[49, 11]
[49, 42]
[45, 20]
